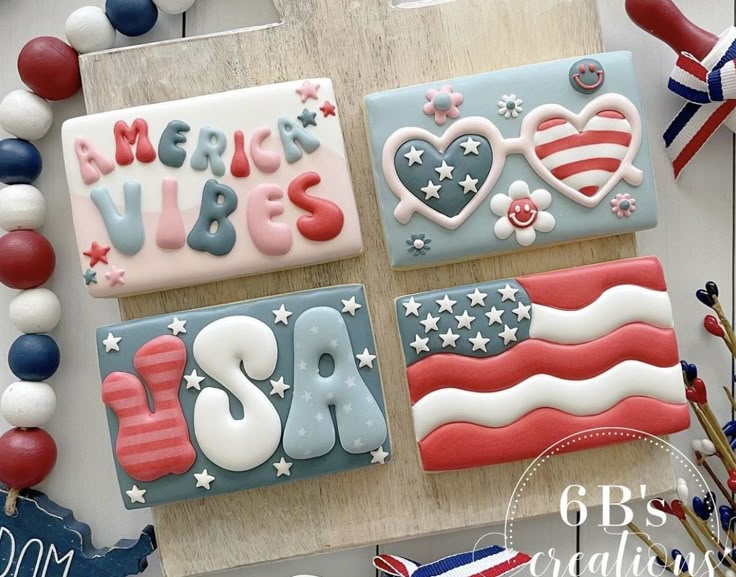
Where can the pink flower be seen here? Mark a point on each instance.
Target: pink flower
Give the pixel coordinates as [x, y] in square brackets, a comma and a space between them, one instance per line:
[443, 103]
[623, 205]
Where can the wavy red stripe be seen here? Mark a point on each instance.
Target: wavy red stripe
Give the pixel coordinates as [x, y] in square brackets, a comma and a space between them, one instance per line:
[573, 168]
[584, 139]
[578, 287]
[636, 341]
[464, 445]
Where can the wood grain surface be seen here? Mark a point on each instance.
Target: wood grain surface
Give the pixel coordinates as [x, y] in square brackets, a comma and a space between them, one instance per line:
[364, 47]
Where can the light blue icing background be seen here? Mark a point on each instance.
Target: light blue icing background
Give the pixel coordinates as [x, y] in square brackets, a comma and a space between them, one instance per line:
[536, 85]
[179, 487]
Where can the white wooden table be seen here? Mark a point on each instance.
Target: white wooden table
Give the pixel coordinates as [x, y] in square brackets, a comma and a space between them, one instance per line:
[695, 241]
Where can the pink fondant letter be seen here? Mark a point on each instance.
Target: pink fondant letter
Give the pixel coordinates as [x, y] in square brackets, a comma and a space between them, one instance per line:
[170, 233]
[265, 160]
[272, 238]
[87, 154]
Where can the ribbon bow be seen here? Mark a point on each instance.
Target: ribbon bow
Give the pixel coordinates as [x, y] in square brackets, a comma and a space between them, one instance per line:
[710, 95]
[489, 562]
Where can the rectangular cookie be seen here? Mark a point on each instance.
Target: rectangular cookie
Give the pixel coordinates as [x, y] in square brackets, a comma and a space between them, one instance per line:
[505, 370]
[209, 188]
[243, 395]
[501, 161]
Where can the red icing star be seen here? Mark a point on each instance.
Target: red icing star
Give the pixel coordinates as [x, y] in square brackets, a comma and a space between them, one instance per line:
[307, 91]
[328, 109]
[97, 253]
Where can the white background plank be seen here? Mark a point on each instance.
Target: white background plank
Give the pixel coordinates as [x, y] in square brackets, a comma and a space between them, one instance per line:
[694, 241]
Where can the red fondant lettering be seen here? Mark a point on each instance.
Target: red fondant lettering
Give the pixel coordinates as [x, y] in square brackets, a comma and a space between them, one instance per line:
[151, 445]
[240, 167]
[126, 136]
[326, 220]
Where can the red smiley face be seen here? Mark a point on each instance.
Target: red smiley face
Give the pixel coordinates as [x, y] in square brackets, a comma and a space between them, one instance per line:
[523, 212]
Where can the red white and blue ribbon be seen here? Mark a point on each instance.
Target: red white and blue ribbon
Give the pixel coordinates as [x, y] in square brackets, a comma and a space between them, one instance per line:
[489, 562]
[711, 96]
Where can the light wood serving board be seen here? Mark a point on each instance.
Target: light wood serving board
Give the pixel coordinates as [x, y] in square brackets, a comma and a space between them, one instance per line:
[364, 46]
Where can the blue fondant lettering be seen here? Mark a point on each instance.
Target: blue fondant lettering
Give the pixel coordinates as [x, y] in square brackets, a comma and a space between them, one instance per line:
[291, 133]
[213, 232]
[309, 431]
[169, 151]
[211, 145]
[126, 231]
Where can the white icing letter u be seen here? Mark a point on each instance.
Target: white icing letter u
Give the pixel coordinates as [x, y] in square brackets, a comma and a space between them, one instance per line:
[220, 349]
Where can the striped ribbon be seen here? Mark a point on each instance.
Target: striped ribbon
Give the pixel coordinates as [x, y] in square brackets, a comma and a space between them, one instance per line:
[711, 96]
[489, 562]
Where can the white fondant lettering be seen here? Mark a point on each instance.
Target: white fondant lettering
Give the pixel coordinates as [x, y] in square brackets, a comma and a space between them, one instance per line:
[5, 534]
[20, 569]
[220, 349]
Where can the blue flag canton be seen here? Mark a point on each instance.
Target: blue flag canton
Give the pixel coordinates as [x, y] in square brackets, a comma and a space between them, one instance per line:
[481, 320]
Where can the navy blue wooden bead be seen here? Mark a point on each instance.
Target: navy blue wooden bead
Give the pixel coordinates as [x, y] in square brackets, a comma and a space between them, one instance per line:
[20, 161]
[132, 17]
[34, 357]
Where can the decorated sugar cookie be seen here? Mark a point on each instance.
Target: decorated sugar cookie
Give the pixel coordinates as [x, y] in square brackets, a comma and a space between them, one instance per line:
[519, 158]
[208, 188]
[502, 370]
[243, 395]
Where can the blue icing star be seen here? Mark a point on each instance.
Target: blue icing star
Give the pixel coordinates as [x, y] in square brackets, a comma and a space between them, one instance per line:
[307, 118]
[89, 277]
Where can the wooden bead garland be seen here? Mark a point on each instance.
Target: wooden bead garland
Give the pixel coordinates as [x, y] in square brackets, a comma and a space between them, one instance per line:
[22, 207]
[88, 30]
[25, 115]
[50, 68]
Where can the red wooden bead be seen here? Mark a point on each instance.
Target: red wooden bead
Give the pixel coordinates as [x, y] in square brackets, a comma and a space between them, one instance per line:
[27, 259]
[50, 68]
[28, 456]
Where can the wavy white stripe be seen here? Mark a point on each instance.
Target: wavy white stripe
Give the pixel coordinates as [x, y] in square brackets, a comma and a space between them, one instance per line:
[587, 178]
[580, 398]
[584, 153]
[567, 129]
[553, 134]
[476, 567]
[615, 308]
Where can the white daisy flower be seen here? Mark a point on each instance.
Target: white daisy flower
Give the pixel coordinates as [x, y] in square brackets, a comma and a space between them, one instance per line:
[510, 106]
[522, 212]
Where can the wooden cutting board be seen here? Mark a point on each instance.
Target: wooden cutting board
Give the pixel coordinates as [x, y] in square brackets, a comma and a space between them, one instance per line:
[364, 46]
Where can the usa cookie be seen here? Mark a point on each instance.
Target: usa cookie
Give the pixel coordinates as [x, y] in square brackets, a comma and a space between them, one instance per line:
[519, 158]
[208, 188]
[502, 370]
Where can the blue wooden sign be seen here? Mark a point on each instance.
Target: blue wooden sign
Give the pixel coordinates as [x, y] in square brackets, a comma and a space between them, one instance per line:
[45, 540]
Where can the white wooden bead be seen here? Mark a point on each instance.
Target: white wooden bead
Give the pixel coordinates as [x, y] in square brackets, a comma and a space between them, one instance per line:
[174, 6]
[25, 115]
[22, 207]
[35, 310]
[89, 30]
[27, 404]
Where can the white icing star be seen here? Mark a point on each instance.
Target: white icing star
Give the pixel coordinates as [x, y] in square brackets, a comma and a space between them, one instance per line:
[302, 365]
[470, 146]
[347, 408]
[314, 330]
[420, 344]
[446, 304]
[464, 320]
[333, 344]
[445, 171]
[479, 342]
[319, 417]
[112, 343]
[412, 307]
[477, 298]
[283, 468]
[350, 306]
[507, 293]
[177, 327]
[307, 396]
[414, 156]
[508, 334]
[379, 456]
[494, 316]
[449, 339]
[430, 323]
[350, 382]
[282, 315]
[193, 380]
[302, 432]
[136, 495]
[469, 184]
[358, 443]
[522, 311]
[279, 387]
[366, 359]
[432, 190]
[204, 479]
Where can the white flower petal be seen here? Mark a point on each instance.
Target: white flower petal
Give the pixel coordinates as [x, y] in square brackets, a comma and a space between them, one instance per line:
[520, 109]
[519, 189]
[526, 236]
[542, 198]
[508, 113]
[502, 111]
[502, 103]
[519, 102]
[500, 204]
[515, 113]
[512, 97]
[503, 228]
[545, 222]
